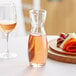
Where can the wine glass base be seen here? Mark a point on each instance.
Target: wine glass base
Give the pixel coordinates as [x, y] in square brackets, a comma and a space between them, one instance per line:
[7, 55]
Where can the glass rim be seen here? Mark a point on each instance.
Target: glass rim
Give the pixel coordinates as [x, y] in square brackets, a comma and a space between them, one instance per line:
[37, 11]
[7, 3]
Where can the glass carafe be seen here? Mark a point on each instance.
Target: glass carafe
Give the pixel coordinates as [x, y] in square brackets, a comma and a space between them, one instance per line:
[37, 44]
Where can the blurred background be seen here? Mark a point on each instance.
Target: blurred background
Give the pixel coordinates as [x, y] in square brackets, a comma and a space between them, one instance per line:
[61, 16]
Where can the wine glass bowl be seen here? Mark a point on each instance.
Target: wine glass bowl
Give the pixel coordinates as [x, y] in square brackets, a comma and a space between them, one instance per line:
[7, 26]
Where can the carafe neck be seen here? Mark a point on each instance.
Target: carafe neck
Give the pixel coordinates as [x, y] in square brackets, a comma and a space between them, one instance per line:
[38, 30]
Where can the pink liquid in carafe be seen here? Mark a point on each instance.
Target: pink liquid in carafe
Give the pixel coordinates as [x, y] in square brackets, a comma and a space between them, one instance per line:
[37, 49]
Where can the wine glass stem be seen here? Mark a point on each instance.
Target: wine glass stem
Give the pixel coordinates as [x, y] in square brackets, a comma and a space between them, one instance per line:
[7, 36]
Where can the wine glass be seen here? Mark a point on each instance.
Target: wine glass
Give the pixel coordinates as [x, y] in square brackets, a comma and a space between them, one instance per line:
[7, 24]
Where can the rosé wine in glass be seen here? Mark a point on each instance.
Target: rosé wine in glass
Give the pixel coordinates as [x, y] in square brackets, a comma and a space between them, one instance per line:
[7, 26]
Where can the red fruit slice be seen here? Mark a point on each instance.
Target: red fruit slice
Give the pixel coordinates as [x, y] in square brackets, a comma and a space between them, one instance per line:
[70, 45]
[62, 35]
[59, 41]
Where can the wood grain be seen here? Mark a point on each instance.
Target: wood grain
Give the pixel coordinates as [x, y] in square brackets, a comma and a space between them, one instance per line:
[61, 58]
[27, 1]
[61, 16]
[58, 54]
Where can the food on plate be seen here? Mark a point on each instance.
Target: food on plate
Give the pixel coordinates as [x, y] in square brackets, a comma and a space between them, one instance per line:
[67, 42]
